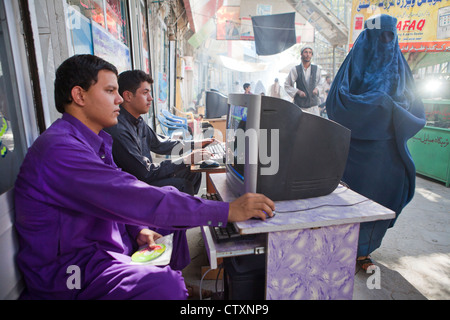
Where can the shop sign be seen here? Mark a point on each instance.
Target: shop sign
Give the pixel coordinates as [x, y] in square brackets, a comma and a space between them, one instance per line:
[162, 88]
[109, 48]
[422, 25]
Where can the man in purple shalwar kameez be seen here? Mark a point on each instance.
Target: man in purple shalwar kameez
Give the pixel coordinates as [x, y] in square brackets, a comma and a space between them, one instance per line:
[75, 210]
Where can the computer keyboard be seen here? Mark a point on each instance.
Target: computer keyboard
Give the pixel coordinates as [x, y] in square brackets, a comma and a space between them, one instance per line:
[222, 233]
[217, 150]
[225, 233]
[211, 196]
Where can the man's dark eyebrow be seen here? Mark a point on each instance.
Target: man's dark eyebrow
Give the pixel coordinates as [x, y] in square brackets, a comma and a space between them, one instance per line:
[111, 86]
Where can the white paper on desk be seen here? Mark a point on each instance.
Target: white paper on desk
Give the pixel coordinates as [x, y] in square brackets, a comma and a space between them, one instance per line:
[164, 259]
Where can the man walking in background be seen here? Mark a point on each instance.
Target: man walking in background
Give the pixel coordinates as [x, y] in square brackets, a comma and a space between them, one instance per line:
[302, 83]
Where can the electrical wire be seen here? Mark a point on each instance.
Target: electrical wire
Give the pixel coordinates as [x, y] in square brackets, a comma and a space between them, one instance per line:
[328, 205]
[217, 278]
[201, 282]
[323, 205]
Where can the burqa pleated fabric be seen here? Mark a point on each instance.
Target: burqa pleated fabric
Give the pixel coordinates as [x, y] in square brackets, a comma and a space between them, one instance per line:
[374, 95]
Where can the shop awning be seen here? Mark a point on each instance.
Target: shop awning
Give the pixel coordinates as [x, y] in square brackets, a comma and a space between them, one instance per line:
[199, 12]
[242, 66]
[323, 19]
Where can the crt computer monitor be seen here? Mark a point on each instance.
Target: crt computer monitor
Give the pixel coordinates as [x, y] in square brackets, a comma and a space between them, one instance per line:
[216, 105]
[276, 149]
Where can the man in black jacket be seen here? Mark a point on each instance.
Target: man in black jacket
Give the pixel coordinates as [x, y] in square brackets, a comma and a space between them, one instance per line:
[134, 140]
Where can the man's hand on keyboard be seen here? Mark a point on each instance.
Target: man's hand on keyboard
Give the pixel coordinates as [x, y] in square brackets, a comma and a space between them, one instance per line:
[206, 142]
[197, 156]
[250, 205]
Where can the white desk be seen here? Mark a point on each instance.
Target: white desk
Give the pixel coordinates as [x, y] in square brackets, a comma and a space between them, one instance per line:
[310, 244]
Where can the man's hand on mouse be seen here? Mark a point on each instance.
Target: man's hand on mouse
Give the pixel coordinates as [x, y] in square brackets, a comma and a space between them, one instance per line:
[250, 205]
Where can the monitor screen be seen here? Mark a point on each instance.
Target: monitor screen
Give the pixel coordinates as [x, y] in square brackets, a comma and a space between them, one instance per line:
[237, 119]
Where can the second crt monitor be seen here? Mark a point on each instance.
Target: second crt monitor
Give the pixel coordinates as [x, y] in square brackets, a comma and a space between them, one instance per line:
[274, 148]
[216, 104]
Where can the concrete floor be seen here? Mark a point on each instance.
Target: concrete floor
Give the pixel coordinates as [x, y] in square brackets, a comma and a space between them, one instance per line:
[413, 260]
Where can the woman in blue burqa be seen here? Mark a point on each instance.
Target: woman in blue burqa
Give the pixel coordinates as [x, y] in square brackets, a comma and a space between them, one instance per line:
[374, 95]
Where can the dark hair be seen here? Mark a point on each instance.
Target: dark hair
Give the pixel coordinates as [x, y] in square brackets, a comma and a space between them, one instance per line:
[131, 80]
[79, 70]
[246, 85]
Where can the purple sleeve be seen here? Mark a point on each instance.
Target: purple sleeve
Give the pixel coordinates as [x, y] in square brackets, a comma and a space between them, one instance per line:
[78, 180]
[133, 230]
